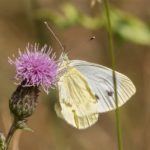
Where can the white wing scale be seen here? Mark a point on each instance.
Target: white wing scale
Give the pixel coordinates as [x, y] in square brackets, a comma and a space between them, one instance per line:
[100, 81]
[77, 103]
[74, 120]
[87, 89]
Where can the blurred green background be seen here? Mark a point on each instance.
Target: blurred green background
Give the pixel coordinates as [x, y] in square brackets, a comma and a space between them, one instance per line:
[21, 21]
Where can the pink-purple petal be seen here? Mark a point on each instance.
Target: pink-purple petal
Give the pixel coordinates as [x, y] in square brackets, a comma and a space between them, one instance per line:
[36, 66]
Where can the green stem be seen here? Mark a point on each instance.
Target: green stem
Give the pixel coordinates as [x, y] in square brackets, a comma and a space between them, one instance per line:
[112, 53]
[11, 132]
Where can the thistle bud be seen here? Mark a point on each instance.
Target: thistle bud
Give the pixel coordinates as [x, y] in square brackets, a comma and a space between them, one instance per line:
[23, 101]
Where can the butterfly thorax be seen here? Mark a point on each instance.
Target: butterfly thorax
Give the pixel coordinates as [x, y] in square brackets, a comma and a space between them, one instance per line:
[63, 64]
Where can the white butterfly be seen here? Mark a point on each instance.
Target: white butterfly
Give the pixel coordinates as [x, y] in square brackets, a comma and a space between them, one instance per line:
[86, 89]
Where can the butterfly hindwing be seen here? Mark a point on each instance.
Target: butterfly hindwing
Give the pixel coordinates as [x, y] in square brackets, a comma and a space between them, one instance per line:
[78, 105]
[74, 120]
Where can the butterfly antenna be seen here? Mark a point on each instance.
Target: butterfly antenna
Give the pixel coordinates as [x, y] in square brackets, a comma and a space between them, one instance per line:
[57, 39]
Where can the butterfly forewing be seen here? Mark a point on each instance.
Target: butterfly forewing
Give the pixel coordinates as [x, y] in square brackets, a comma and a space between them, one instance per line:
[100, 81]
[86, 89]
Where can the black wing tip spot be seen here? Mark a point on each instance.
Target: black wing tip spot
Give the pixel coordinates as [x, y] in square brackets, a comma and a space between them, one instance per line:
[110, 93]
[96, 96]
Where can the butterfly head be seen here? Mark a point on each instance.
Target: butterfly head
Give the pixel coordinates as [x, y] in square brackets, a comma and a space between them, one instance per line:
[64, 56]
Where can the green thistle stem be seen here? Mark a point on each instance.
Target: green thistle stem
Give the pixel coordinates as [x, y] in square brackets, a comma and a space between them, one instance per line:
[111, 49]
[11, 132]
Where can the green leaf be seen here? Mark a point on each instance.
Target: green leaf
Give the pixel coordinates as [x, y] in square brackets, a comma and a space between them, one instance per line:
[129, 27]
[125, 25]
[91, 23]
[71, 13]
[22, 125]
[2, 141]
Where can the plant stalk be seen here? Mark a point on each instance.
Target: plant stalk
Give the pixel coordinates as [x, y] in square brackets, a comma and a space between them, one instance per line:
[112, 53]
[11, 132]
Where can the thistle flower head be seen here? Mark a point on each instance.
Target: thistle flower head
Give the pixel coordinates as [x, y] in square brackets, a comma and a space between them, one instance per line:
[36, 67]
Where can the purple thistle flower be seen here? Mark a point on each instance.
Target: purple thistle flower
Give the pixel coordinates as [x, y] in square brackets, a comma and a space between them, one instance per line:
[36, 67]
